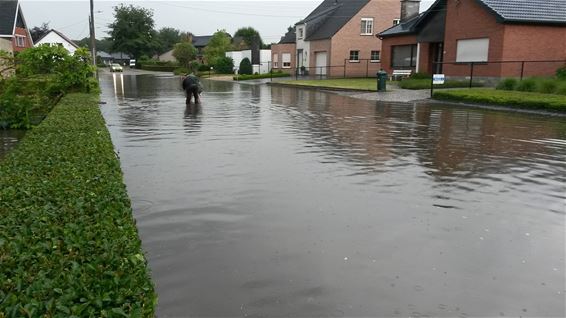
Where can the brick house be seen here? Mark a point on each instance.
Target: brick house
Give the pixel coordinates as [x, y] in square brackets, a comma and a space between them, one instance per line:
[336, 39]
[284, 53]
[458, 32]
[14, 33]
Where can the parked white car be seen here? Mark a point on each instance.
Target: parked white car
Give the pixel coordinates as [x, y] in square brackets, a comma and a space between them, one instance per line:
[116, 68]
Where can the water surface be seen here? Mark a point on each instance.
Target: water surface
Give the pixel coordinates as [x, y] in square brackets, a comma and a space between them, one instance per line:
[9, 139]
[280, 202]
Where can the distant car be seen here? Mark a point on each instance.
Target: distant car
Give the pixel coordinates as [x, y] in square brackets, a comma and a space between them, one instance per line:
[116, 68]
[132, 63]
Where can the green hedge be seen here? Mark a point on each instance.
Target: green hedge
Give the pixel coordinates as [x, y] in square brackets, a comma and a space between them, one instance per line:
[68, 242]
[159, 68]
[505, 98]
[258, 76]
[420, 83]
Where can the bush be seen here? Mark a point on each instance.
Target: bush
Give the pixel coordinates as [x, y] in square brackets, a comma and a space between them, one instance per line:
[203, 68]
[159, 68]
[194, 66]
[527, 85]
[421, 76]
[561, 73]
[258, 76]
[245, 67]
[561, 90]
[224, 65]
[505, 98]
[68, 242]
[181, 71]
[508, 84]
[548, 86]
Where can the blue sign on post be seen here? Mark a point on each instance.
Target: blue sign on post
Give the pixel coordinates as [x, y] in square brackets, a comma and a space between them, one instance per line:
[438, 79]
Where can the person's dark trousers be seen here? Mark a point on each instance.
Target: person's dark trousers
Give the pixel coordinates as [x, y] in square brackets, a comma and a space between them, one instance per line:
[192, 92]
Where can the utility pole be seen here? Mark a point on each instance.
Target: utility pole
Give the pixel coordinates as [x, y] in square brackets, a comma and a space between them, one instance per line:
[92, 33]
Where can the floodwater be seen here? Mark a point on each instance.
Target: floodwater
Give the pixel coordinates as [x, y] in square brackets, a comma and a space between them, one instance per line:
[280, 202]
[9, 139]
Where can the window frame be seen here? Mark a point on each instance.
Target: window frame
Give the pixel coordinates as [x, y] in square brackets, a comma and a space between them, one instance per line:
[21, 38]
[364, 30]
[357, 55]
[372, 60]
[472, 60]
[300, 33]
[275, 61]
[413, 57]
[283, 63]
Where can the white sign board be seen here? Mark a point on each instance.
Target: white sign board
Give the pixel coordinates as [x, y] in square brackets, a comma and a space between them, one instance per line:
[438, 79]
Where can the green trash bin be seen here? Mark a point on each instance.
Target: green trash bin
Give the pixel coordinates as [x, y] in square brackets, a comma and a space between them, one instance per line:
[381, 79]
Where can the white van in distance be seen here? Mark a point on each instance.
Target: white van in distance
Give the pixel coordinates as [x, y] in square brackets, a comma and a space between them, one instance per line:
[132, 63]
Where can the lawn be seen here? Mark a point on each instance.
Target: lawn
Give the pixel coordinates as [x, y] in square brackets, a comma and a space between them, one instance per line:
[517, 99]
[418, 83]
[365, 84]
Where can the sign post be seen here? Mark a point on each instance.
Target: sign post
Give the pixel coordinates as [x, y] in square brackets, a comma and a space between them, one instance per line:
[437, 79]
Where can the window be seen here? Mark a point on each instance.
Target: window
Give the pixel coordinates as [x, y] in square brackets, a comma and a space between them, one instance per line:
[396, 21]
[375, 56]
[286, 59]
[367, 26]
[475, 50]
[275, 60]
[300, 33]
[354, 56]
[20, 41]
[404, 56]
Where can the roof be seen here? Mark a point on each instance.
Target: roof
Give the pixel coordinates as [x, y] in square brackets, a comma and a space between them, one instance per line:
[61, 35]
[201, 41]
[103, 55]
[528, 11]
[406, 27]
[289, 37]
[120, 56]
[8, 11]
[329, 17]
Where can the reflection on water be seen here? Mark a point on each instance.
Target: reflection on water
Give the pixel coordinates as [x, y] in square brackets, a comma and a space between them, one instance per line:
[9, 139]
[268, 201]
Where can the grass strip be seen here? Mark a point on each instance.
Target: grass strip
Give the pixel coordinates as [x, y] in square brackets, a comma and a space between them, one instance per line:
[505, 98]
[68, 242]
[364, 84]
[259, 76]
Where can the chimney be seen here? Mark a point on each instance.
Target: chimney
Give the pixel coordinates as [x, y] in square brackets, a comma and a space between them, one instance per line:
[409, 9]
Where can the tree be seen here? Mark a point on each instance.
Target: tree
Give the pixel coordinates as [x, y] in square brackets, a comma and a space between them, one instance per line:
[38, 32]
[251, 36]
[132, 31]
[245, 67]
[224, 65]
[101, 45]
[217, 47]
[184, 52]
[167, 38]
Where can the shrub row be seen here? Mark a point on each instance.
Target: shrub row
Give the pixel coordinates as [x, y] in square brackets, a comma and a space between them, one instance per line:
[159, 68]
[505, 98]
[68, 243]
[258, 76]
[539, 85]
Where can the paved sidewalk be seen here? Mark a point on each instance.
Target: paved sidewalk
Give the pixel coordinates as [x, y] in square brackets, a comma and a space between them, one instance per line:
[393, 94]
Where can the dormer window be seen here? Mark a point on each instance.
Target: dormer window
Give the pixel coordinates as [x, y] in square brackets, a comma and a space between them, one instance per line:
[396, 21]
[367, 26]
[300, 33]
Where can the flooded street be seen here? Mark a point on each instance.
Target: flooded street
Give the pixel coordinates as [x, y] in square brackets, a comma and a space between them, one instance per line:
[280, 202]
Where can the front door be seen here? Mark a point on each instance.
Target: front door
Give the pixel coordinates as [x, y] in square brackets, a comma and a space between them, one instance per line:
[320, 63]
[436, 57]
[299, 57]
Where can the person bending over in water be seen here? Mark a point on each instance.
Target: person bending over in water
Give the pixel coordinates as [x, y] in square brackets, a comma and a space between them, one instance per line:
[192, 86]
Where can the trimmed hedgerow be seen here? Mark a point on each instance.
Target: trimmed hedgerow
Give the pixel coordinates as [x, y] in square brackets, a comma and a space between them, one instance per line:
[505, 98]
[258, 76]
[68, 242]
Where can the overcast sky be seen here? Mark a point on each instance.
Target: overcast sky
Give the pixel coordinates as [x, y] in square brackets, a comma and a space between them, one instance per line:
[270, 17]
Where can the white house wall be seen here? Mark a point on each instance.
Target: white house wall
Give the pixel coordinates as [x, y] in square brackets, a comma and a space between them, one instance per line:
[304, 45]
[53, 38]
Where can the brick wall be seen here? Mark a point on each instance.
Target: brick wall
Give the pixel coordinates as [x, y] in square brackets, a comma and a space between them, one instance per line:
[22, 32]
[278, 50]
[348, 38]
[320, 46]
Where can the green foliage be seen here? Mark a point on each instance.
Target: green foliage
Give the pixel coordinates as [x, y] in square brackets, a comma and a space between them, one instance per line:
[69, 245]
[527, 85]
[224, 65]
[44, 59]
[217, 47]
[508, 84]
[167, 38]
[184, 52]
[421, 76]
[38, 32]
[258, 76]
[548, 86]
[159, 68]
[203, 68]
[505, 98]
[561, 73]
[245, 67]
[101, 45]
[561, 90]
[133, 31]
[194, 66]
[250, 36]
[411, 83]
[24, 102]
[181, 71]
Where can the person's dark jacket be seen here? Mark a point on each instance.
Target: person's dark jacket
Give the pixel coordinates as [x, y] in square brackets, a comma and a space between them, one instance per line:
[191, 82]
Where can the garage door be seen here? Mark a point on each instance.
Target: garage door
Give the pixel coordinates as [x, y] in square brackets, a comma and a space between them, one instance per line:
[320, 63]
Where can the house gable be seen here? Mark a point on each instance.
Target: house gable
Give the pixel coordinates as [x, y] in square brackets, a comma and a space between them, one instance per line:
[8, 9]
[330, 16]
